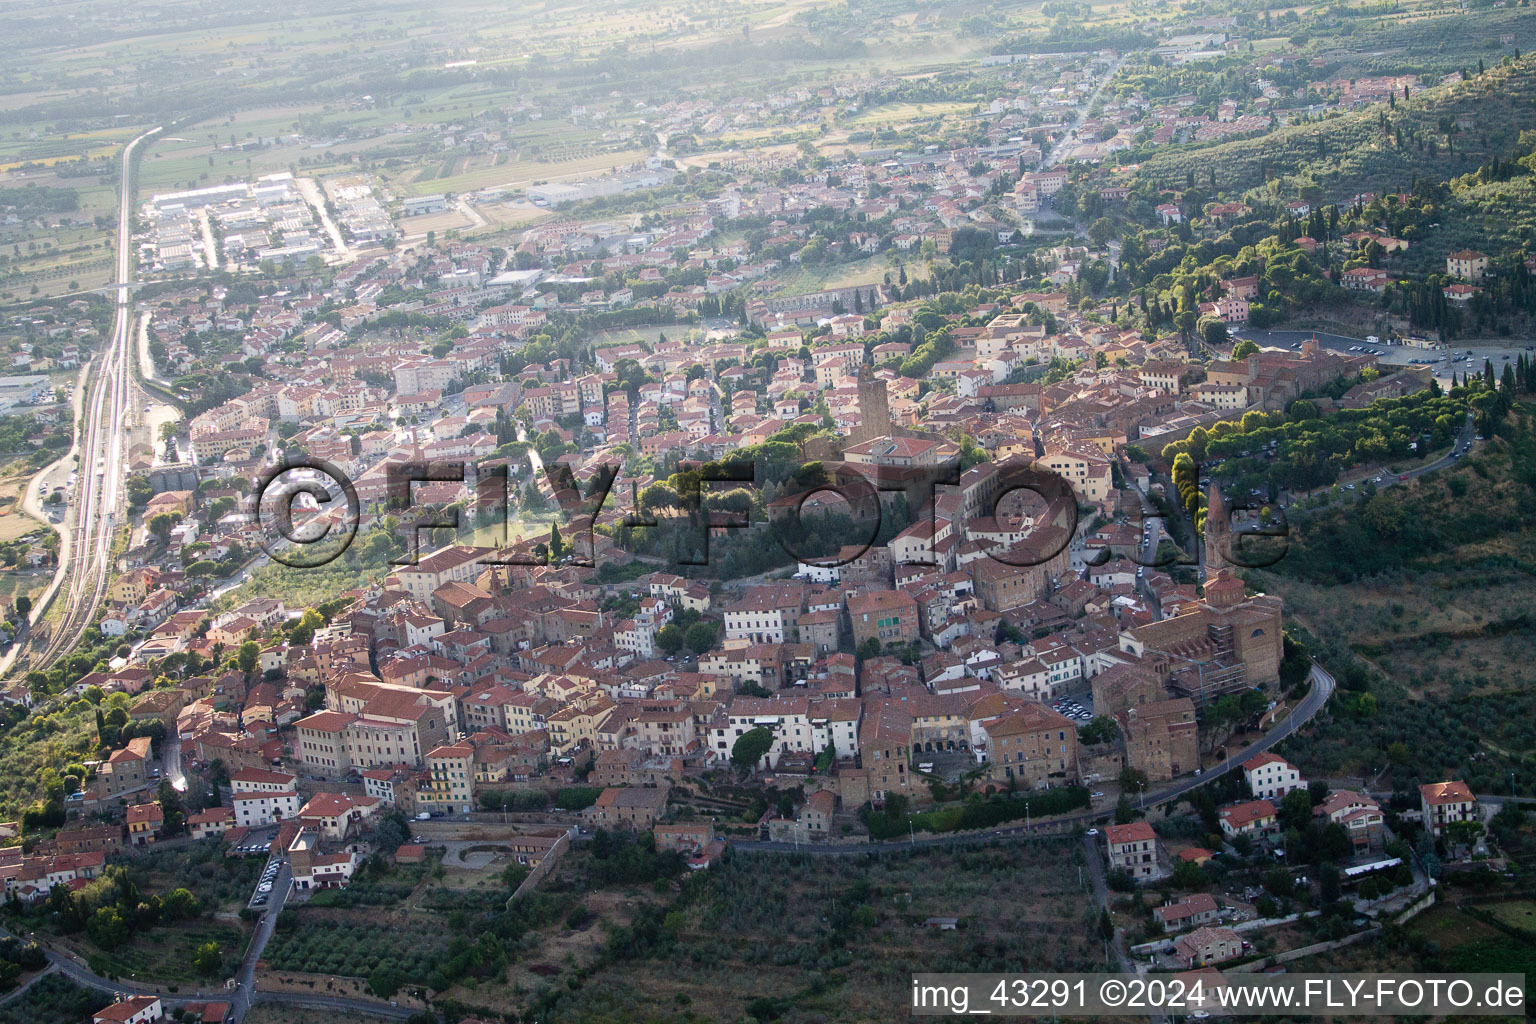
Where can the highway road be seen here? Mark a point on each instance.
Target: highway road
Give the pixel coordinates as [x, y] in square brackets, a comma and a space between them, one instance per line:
[81, 582]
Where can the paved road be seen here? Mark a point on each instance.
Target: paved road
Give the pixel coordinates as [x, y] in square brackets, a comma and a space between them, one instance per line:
[1461, 443]
[245, 984]
[1065, 827]
[16, 993]
[1083, 110]
[312, 194]
[1093, 859]
[241, 1001]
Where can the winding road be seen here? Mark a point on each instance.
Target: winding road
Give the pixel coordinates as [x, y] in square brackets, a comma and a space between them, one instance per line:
[244, 997]
[1066, 827]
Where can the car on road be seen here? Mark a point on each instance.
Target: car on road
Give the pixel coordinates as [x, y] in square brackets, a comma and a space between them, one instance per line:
[1091, 832]
[264, 887]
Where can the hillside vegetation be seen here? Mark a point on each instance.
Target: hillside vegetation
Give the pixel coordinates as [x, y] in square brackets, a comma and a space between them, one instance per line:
[1418, 599]
[1440, 132]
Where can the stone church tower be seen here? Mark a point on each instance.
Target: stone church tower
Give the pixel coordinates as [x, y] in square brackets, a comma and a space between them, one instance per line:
[874, 407]
[1218, 532]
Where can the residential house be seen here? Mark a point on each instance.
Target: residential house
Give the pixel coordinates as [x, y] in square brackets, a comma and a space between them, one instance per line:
[1446, 803]
[1271, 776]
[1134, 849]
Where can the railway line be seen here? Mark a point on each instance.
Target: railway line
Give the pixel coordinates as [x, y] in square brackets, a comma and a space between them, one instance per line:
[85, 568]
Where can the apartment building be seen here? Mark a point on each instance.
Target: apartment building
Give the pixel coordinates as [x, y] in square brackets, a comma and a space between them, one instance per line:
[450, 781]
[1134, 849]
[1034, 744]
[1446, 803]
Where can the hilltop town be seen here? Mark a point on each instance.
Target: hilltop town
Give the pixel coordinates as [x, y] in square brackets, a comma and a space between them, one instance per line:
[705, 513]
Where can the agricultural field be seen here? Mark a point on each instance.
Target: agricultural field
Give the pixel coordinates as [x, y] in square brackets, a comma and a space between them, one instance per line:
[275, 1013]
[1354, 152]
[612, 927]
[798, 279]
[352, 943]
[167, 954]
[845, 936]
[1515, 913]
[52, 999]
[166, 950]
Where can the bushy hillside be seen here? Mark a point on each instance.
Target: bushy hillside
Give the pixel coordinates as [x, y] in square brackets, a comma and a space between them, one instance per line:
[1499, 216]
[1470, 517]
[1439, 133]
[1418, 599]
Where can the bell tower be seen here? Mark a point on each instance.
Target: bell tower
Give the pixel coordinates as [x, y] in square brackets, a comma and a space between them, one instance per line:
[1218, 532]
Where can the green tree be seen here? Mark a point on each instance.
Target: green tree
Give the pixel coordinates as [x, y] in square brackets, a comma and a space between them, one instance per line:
[669, 638]
[304, 630]
[180, 904]
[1328, 883]
[385, 980]
[161, 525]
[1244, 348]
[1132, 780]
[750, 747]
[107, 929]
[700, 637]
[208, 959]
[1295, 810]
[1101, 730]
[1212, 330]
[1188, 875]
[170, 807]
[245, 658]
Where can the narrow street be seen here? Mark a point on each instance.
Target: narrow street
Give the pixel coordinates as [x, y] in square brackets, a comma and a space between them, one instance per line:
[1093, 860]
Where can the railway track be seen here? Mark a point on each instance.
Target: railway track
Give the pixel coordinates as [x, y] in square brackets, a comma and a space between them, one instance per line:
[86, 572]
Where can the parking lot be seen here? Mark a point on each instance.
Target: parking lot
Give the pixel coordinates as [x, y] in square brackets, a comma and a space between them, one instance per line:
[256, 841]
[948, 765]
[1078, 707]
[272, 887]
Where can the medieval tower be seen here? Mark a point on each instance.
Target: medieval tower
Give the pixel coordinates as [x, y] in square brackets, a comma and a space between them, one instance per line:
[1218, 532]
[874, 407]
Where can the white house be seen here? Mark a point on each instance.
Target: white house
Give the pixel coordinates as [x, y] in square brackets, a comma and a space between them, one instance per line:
[1271, 776]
